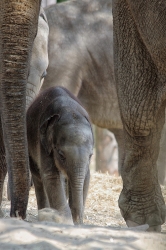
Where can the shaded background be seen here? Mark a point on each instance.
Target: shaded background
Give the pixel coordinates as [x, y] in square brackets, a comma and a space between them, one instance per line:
[105, 157]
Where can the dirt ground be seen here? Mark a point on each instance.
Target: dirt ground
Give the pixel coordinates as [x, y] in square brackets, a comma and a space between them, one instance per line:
[104, 226]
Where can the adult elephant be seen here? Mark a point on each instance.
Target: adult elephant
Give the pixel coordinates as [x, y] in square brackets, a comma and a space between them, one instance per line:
[140, 69]
[18, 26]
[81, 59]
[78, 60]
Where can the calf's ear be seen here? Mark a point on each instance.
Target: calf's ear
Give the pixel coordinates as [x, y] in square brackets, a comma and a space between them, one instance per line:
[46, 140]
[48, 121]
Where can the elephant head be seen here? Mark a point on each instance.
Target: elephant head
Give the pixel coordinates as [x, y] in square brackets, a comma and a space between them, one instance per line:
[39, 60]
[18, 26]
[66, 135]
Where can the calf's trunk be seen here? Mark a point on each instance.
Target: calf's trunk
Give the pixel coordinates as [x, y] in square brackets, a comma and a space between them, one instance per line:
[76, 196]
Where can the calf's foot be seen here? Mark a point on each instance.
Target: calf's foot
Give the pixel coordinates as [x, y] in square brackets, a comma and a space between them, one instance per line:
[50, 214]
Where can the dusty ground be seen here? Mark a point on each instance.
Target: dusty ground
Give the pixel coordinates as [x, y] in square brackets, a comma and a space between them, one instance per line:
[101, 210]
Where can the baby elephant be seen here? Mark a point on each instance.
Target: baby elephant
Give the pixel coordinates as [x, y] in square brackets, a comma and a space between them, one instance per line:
[60, 142]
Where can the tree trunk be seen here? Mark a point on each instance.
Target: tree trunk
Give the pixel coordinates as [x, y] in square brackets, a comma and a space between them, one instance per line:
[18, 26]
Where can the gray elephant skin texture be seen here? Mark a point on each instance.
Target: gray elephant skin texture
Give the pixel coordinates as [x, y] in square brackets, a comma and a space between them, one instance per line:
[37, 72]
[60, 143]
[140, 72]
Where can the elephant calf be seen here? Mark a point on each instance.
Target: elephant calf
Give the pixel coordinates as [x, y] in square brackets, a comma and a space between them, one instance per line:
[60, 142]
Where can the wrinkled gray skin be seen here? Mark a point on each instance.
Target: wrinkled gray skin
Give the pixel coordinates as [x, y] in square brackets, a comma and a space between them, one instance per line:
[60, 143]
[37, 72]
[18, 27]
[161, 161]
[81, 59]
[140, 70]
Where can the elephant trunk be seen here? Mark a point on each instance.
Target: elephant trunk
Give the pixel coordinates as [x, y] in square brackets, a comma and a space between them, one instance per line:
[18, 26]
[77, 207]
[76, 196]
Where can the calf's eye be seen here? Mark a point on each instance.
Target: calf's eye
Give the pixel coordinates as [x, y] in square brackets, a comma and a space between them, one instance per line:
[43, 75]
[90, 156]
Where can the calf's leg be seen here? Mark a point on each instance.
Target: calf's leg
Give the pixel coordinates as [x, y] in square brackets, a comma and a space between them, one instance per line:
[42, 200]
[53, 182]
[3, 167]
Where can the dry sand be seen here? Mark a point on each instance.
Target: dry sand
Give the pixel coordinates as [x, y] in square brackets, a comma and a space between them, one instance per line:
[104, 226]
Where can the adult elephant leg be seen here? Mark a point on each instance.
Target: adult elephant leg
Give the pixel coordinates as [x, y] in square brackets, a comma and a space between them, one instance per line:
[8, 186]
[142, 110]
[141, 201]
[18, 26]
[161, 161]
[3, 167]
[119, 136]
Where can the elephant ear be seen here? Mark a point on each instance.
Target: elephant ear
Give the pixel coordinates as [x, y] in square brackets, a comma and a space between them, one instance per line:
[48, 121]
[46, 140]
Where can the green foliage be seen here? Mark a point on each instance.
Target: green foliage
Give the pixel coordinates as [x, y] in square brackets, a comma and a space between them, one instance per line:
[59, 1]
